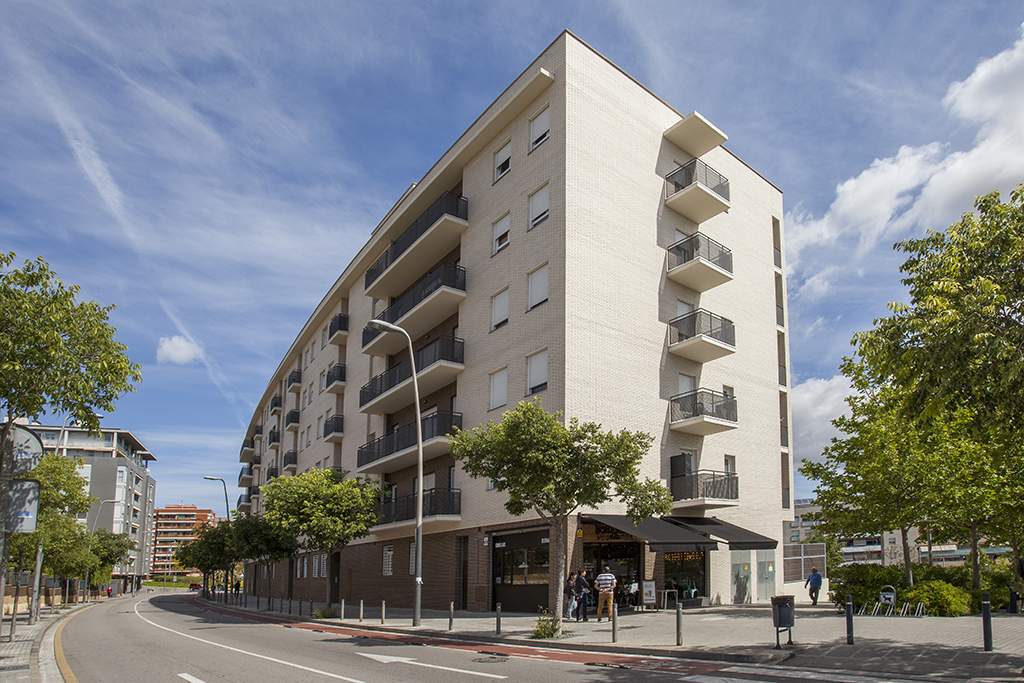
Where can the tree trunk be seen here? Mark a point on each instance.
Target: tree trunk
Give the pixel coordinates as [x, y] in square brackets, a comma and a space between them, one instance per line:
[908, 567]
[975, 559]
[270, 590]
[556, 582]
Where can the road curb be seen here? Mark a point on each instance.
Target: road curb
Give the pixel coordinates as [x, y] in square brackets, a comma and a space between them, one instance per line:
[772, 657]
[34, 655]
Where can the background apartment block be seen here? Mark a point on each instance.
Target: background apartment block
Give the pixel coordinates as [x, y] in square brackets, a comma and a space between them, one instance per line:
[116, 466]
[174, 526]
[586, 243]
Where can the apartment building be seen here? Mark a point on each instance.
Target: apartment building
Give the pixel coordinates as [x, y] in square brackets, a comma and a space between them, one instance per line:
[584, 242]
[115, 465]
[176, 525]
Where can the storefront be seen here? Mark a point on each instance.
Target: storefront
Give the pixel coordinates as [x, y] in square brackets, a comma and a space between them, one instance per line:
[686, 572]
[520, 563]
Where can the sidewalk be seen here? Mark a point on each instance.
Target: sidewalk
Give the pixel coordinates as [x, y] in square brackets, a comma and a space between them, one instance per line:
[925, 646]
[16, 658]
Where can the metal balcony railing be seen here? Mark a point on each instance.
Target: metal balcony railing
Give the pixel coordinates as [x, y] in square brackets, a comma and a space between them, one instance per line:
[246, 471]
[257, 459]
[696, 171]
[404, 436]
[447, 203]
[243, 500]
[703, 402]
[274, 437]
[339, 323]
[292, 418]
[446, 275]
[248, 444]
[335, 424]
[445, 348]
[702, 322]
[699, 245]
[706, 484]
[435, 502]
[257, 430]
[290, 459]
[336, 373]
[254, 490]
[272, 472]
[275, 402]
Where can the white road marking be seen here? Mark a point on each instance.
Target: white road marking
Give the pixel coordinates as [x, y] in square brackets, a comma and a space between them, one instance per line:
[817, 674]
[245, 652]
[390, 659]
[191, 679]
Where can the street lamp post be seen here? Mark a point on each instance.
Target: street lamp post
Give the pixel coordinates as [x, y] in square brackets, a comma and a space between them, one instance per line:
[92, 530]
[227, 515]
[382, 326]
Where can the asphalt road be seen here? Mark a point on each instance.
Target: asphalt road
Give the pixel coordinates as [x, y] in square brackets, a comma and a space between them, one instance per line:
[169, 637]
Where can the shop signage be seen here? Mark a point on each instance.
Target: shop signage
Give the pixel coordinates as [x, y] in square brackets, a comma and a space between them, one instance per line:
[685, 556]
[649, 595]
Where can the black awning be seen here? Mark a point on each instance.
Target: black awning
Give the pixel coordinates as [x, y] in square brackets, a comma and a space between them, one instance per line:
[737, 537]
[661, 535]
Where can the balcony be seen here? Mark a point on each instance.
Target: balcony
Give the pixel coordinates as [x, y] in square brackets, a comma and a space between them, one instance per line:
[257, 459]
[439, 505]
[291, 420]
[257, 432]
[696, 191]
[273, 472]
[290, 461]
[437, 364]
[243, 505]
[432, 235]
[337, 333]
[699, 262]
[701, 336]
[397, 449]
[254, 491]
[336, 379]
[705, 489]
[245, 476]
[334, 429]
[695, 135]
[274, 439]
[248, 451]
[275, 405]
[295, 381]
[435, 297]
[702, 412]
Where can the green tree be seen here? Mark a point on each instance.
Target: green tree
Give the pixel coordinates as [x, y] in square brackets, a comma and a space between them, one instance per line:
[555, 469]
[61, 488]
[57, 354]
[110, 550]
[958, 344]
[264, 543]
[320, 508]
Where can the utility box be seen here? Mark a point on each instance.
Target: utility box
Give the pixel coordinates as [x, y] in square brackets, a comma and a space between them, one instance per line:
[783, 607]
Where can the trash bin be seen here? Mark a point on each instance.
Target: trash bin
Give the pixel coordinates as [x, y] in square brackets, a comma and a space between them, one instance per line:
[1014, 606]
[782, 611]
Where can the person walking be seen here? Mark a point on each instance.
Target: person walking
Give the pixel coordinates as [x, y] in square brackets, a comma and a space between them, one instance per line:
[582, 595]
[605, 584]
[569, 596]
[814, 581]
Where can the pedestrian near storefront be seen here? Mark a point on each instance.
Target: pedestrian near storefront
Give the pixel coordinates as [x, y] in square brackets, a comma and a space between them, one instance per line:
[582, 595]
[814, 583]
[569, 596]
[605, 584]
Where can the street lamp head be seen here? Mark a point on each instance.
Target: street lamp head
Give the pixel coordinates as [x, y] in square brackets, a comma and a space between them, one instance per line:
[209, 478]
[382, 326]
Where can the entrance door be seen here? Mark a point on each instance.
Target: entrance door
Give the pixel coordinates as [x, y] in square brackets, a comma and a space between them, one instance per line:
[335, 578]
[625, 560]
[520, 571]
[686, 572]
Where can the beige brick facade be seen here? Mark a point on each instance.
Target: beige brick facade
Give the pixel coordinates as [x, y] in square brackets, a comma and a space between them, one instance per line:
[604, 327]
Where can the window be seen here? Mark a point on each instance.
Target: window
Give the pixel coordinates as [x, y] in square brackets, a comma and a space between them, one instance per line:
[539, 128]
[537, 372]
[310, 394]
[785, 481]
[499, 388]
[302, 400]
[730, 464]
[387, 563]
[323, 565]
[539, 207]
[316, 567]
[323, 381]
[298, 570]
[503, 161]
[319, 425]
[499, 309]
[323, 337]
[412, 558]
[307, 436]
[501, 230]
[537, 286]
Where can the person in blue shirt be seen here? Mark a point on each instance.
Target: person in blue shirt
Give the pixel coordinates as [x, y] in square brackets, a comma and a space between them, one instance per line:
[814, 581]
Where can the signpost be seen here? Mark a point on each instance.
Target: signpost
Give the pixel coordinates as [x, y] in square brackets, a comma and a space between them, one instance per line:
[19, 498]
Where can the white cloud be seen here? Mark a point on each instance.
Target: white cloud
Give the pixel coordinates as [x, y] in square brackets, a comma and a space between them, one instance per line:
[816, 286]
[815, 403]
[177, 350]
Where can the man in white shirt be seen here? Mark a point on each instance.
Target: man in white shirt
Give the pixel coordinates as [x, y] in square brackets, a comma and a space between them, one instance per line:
[605, 584]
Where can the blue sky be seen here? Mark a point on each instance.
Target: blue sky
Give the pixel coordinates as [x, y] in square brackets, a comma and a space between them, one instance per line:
[176, 160]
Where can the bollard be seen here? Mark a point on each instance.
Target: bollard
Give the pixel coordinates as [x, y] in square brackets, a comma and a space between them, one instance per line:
[360, 611]
[679, 624]
[497, 620]
[382, 606]
[986, 622]
[849, 619]
[615, 623]
[451, 615]
[342, 615]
